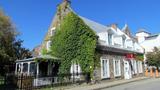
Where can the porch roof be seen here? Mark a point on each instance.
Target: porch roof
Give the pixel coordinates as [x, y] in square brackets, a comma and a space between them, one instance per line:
[47, 57]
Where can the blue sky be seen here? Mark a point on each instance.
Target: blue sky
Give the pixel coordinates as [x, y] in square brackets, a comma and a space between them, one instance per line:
[33, 17]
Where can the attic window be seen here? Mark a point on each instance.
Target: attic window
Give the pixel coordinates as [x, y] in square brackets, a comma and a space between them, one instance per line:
[123, 41]
[110, 38]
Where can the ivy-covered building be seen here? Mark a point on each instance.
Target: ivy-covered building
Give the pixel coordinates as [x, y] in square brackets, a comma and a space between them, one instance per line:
[120, 56]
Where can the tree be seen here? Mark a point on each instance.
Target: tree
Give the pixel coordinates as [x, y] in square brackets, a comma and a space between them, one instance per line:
[74, 42]
[7, 38]
[153, 58]
[21, 52]
[10, 48]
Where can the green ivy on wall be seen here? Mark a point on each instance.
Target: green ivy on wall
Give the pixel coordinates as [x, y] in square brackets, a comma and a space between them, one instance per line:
[44, 51]
[74, 42]
[139, 57]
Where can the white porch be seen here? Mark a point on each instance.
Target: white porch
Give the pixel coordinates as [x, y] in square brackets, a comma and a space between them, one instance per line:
[41, 67]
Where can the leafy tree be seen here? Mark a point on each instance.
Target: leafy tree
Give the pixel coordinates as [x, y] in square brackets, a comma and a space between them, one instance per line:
[7, 38]
[10, 48]
[74, 42]
[21, 52]
[153, 58]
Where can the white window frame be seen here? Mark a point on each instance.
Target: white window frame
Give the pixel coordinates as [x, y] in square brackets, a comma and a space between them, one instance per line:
[140, 69]
[76, 69]
[123, 42]
[48, 45]
[117, 67]
[107, 68]
[110, 39]
[134, 64]
[52, 30]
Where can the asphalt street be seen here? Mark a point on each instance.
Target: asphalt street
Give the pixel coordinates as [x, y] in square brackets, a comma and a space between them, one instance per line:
[149, 84]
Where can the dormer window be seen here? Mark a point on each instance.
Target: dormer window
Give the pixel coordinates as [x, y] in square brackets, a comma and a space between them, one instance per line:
[110, 38]
[134, 44]
[123, 41]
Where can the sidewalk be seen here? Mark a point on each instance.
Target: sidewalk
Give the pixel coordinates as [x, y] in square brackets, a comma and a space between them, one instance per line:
[101, 85]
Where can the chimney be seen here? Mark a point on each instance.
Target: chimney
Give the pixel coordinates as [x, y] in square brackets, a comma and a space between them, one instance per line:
[114, 26]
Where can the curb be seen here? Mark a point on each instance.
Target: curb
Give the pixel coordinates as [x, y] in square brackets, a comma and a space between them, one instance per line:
[120, 84]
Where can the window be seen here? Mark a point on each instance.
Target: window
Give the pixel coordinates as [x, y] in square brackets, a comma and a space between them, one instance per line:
[105, 73]
[123, 41]
[109, 39]
[134, 65]
[48, 45]
[117, 68]
[75, 70]
[133, 45]
[52, 31]
[18, 68]
[25, 67]
[32, 68]
[140, 70]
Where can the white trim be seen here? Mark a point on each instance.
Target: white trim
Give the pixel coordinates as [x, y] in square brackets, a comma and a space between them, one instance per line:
[105, 60]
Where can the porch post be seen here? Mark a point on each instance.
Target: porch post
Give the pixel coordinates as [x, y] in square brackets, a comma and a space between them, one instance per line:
[16, 68]
[28, 68]
[48, 69]
[37, 68]
[21, 67]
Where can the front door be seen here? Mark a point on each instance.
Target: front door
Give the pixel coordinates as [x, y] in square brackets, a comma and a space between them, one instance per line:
[127, 70]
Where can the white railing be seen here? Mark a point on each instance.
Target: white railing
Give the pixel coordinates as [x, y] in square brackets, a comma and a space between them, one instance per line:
[45, 81]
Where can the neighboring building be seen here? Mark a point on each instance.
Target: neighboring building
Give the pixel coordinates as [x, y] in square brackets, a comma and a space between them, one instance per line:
[117, 48]
[36, 51]
[148, 41]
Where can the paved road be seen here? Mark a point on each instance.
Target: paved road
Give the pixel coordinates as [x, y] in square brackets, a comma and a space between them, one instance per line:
[150, 84]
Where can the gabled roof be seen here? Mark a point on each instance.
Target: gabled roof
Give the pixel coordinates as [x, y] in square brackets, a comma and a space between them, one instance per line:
[94, 25]
[127, 31]
[98, 28]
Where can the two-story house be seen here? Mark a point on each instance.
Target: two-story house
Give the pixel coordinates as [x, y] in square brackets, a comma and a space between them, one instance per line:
[118, 50]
